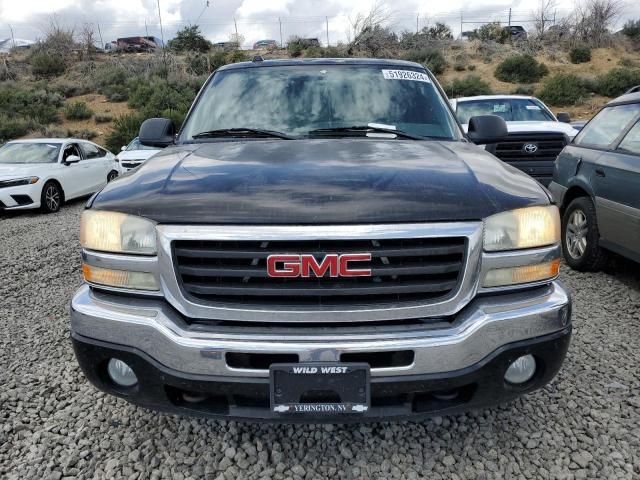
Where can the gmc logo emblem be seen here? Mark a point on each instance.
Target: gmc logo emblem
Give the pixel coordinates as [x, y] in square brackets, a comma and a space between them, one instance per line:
[307, 266]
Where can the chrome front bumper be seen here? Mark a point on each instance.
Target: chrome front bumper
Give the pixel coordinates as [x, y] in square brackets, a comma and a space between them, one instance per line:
[152, 327]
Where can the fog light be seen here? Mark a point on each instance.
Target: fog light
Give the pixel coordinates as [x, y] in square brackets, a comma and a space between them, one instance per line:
[521, 370]
[121, 373]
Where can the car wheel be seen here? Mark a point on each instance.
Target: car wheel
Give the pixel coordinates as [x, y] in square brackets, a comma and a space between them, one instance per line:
[580, 236]
[51, 197]
[112, 176]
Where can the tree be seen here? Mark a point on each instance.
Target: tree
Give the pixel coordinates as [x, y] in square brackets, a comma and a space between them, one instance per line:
[542, 17]
[593, 19]
[439, 31]
[190, 39]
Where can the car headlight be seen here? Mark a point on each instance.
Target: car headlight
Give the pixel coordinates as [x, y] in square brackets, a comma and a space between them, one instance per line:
[529, 227]
[117, 232]
[18, 182]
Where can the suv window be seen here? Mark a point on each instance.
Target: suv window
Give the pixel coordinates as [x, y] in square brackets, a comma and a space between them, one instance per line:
[607, 125]
[631, 142]
[298, 99]
[93, 151]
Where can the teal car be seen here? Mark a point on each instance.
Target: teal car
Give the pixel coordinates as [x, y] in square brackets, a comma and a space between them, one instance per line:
[596, 184]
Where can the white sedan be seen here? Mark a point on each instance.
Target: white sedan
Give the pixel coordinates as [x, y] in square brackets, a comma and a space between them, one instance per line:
[134, 155]
[43, 173]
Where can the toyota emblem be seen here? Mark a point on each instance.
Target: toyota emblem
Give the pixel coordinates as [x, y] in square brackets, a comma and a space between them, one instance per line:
[530, 148]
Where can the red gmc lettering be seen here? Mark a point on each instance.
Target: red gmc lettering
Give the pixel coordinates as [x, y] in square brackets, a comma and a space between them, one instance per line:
[307, 265]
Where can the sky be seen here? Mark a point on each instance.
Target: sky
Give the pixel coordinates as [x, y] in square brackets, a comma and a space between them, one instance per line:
[259, 19]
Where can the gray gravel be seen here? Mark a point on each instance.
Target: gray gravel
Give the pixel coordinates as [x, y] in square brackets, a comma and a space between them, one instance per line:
[586, 424]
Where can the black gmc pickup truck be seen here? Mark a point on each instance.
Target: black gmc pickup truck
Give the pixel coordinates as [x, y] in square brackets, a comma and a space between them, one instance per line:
[321, 243]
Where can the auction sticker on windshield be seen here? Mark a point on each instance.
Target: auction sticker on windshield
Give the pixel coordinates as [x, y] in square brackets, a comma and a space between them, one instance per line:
[405, 75]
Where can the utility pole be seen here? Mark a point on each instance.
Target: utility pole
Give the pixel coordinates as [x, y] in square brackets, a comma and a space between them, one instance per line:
[12, 37]
[161, 31]
[146, 29]
[236, 25]
[509, 17]
[461, 22]
[417, 21]
[100, 33]
[326, 19]
[280, 22]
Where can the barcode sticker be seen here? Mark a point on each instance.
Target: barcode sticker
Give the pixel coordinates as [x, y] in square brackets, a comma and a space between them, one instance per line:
[406, 75]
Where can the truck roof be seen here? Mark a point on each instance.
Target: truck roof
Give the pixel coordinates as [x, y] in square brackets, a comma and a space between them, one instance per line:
[492, 97]
[626, 98]
[322, 61]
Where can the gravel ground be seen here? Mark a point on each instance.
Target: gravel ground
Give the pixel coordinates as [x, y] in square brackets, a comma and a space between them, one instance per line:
[53, 424]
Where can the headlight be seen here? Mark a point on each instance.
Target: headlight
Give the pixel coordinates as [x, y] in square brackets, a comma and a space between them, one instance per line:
[18, 181]
[523, 228]
[117, 232]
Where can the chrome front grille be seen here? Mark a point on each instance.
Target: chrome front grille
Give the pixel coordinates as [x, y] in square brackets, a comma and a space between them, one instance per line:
[404, 269]
[419, 271]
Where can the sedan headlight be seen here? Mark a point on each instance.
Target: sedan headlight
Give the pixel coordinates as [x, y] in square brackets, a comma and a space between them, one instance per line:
[18, 182]
[117, 232]
[523, 228]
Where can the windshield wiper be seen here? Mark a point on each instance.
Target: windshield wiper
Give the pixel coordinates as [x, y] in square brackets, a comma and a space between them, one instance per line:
[356, 129]
[242, 132]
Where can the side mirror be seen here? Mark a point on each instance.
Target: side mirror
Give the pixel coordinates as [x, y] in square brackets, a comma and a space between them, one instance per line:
[123, 149]
[71, 159]
[157, 132]
[564, 117]
[485, 129]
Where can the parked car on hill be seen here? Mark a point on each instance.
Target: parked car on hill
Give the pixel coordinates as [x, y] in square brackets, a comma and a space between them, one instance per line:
[135, 154]
[536, 136]
[44, 173]
[596, 183]
[265, 44]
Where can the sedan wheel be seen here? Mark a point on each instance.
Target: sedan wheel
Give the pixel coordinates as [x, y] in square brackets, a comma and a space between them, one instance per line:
[112, 176]
[580, 236]
[576, 234]
[51, 198]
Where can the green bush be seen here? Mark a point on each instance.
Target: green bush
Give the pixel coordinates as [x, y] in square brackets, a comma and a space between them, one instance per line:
[102, 118]
[218, 59]
[12, 127]
[125, 129]
[580, 55]
[235, 56]
[521, 69]
[617, 81]
[84, 134]
[39, 106]
[77, 111]
[47, 65]
[467, 87]
[632, 29]
[459, 67]
[523, 90]
[429, 57]
[562, 90]
[112, 83]
[189, 39]
[471, 68]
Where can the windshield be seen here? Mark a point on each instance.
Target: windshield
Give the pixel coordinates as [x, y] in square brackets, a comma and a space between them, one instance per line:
[296, 100]
[511, 110]
[136, 145]
[29, 153]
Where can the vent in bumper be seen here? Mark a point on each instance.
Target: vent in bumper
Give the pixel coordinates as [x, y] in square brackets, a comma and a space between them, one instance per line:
[230, 272]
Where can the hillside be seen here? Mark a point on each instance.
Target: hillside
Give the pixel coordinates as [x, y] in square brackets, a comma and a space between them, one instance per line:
[120, 90]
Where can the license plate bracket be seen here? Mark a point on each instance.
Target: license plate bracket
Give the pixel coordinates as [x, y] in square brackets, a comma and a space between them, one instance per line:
[331, 389]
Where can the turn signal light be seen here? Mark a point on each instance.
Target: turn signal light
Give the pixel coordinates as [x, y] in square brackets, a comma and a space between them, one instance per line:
[519, 275]
[119, 278]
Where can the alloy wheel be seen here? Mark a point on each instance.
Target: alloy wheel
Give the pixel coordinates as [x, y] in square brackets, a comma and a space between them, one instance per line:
[576, 234]
[52, 197]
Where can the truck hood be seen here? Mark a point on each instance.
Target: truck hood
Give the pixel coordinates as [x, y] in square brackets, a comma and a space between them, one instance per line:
[337, 181]
[532, 127]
